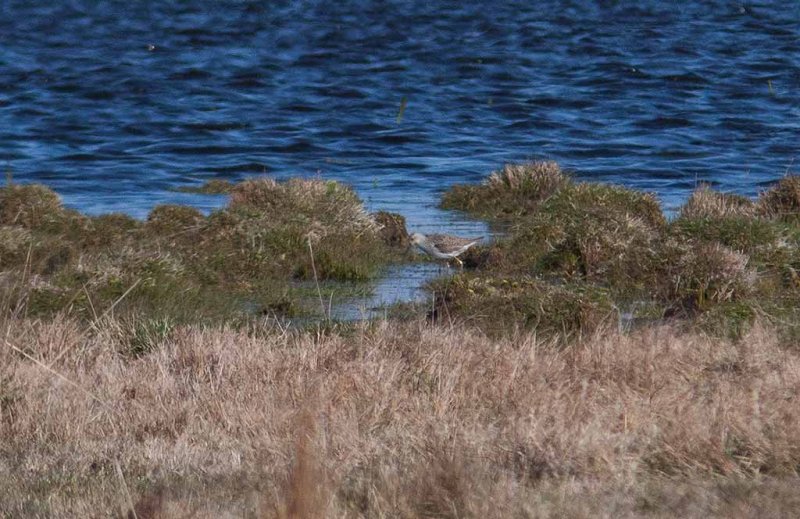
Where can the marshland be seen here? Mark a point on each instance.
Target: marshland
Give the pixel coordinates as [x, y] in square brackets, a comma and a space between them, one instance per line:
[209, 306]
[597, 358]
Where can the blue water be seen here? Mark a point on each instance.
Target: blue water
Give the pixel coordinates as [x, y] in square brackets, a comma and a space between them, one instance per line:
[114, 104]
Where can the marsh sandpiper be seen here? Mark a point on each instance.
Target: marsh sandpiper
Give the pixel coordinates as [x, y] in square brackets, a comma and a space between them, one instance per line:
[444, 246]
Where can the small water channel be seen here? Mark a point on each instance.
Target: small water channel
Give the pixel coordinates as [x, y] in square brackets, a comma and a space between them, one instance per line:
[405, 283]
[399, 284]
[402, 283]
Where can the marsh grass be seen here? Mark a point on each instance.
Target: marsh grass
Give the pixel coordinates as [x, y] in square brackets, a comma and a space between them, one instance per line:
[186, 265]
[211, 187]
[782, 201]
[145, 372]
[722, 249]
[402, 420]
[514, 191]
[707, 203]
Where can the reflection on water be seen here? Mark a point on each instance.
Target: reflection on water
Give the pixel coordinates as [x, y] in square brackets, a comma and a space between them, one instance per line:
[400, 284]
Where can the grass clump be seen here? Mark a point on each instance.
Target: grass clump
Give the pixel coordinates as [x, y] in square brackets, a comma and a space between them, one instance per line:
[584, 232]
[782, 201]
[722, 252]
[593, 231]
[750, 235]
[702, 275]
[169, 220]
[107, 230]
[214, 186]
[501, 305]
[183, 264]
[707, 203]
[328, 206]
[515, 190]
[30, 206]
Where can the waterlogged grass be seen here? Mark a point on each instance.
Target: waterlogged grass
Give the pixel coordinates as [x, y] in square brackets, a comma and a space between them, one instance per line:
[254, 254]
[721, 263]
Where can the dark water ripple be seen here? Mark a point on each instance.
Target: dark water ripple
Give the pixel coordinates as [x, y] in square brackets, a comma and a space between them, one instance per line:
[115, 104]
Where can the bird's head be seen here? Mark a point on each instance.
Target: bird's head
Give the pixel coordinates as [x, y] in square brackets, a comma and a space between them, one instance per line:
[417, 238]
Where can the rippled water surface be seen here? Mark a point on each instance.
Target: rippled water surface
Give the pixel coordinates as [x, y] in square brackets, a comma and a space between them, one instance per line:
[115, 104]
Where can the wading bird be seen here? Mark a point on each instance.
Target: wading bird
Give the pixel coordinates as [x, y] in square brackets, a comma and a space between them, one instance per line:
[443, 246]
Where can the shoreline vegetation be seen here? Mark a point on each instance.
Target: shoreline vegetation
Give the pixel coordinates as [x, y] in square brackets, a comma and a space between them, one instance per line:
[577, 255]
[597, 359]
[262, 254]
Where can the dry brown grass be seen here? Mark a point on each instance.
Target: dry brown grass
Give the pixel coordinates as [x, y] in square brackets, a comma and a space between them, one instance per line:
[707, 203]
[782, 200]
[395, 420]
[546, 176]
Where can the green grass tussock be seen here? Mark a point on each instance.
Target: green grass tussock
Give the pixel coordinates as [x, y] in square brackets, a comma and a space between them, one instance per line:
[722, 250]
[183, 264]
[514, 191]
[326, 207]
